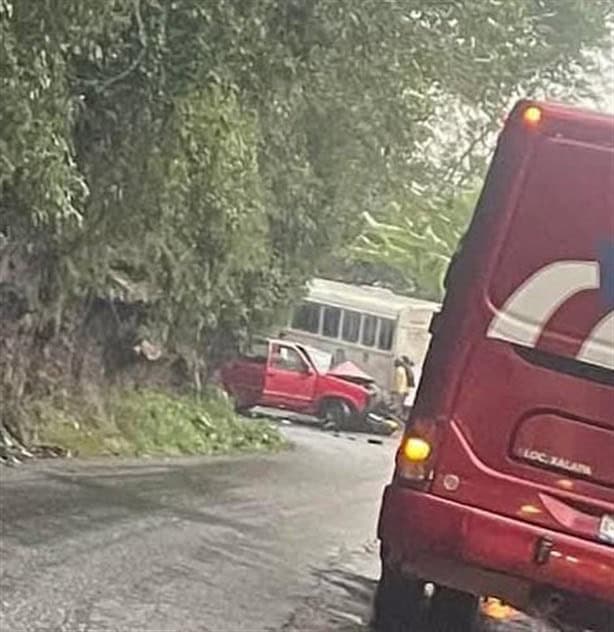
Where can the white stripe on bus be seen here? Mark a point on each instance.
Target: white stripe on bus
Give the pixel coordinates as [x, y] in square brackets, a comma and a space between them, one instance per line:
[598, 348]
[526, 312]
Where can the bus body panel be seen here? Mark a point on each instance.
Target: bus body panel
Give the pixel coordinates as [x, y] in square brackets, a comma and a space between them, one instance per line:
[407, 318]
[542, 295]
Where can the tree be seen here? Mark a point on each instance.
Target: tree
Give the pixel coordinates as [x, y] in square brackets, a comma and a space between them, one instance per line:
[220, 154]
[455, 68]
[417, 248]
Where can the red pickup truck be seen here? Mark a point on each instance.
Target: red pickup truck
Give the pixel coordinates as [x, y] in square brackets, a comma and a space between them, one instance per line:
[291, 376]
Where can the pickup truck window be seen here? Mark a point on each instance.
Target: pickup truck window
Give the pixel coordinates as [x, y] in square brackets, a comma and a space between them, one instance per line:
[287, 359]
[322, 360]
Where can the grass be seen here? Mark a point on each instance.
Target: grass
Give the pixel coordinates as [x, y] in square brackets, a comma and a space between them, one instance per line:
[148, 422]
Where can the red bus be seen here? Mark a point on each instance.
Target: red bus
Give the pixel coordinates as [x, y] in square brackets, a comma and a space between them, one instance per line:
[504, 479]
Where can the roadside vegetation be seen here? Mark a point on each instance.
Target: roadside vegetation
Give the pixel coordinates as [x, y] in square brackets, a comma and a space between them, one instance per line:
[172, 173]
[148, 423]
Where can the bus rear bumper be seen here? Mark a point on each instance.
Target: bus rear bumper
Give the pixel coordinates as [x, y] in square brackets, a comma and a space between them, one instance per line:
[476, 551]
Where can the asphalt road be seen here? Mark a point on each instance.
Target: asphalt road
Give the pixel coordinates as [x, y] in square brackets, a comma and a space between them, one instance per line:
[279, 543]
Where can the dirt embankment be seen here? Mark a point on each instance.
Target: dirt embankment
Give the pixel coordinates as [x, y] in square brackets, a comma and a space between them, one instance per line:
[84, 377]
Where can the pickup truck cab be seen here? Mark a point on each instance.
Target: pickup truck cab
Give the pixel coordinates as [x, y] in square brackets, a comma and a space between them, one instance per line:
[295, 377]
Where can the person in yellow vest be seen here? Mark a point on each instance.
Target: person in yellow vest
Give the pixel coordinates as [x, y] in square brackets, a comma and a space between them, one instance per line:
[411, 384]
[400, 387]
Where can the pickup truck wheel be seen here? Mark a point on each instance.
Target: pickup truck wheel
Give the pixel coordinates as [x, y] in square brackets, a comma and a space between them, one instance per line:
[452, 611]
[335, 413]
[399, 603]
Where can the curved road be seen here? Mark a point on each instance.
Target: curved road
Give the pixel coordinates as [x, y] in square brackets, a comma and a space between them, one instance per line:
[256, 543]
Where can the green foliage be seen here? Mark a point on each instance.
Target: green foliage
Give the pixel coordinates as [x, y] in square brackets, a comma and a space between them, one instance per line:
[221, 153]
[418, 247]
[456, 68]
[145, 422]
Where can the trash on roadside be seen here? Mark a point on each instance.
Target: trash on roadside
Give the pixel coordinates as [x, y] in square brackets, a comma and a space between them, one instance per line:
[495, 609]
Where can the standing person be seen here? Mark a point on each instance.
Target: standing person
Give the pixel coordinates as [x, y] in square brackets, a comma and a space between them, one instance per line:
[411, 383]
[400, 387]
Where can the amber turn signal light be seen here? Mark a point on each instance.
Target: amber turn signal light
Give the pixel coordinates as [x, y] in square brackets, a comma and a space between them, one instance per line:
[416, 450]
[532, 115]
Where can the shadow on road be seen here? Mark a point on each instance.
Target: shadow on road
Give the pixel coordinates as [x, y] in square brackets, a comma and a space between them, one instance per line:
[344, 600]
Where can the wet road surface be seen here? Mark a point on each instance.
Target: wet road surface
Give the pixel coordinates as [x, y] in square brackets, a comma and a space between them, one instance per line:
[277, 543]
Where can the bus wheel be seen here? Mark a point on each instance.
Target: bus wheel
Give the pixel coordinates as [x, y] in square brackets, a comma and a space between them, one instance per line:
[335, 413]
[399, 603]
[452, 611]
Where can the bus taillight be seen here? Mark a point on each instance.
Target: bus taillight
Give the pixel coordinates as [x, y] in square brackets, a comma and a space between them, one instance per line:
[415, 456]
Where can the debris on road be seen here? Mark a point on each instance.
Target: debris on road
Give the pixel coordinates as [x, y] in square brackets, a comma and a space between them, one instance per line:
[497, 610]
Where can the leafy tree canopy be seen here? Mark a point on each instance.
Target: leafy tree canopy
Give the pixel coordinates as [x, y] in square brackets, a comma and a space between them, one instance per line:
[221, 153]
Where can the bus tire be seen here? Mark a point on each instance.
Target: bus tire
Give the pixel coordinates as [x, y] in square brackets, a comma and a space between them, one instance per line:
[399, 602]
[336, 413]
[452, 611]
